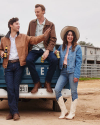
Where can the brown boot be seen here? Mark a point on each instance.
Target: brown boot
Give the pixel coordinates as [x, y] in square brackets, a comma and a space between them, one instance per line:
[49, 89]
[16, 116]
[36, 86]
[9, 116]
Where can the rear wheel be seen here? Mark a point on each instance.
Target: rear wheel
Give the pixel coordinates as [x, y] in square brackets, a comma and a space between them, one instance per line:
[56, 106]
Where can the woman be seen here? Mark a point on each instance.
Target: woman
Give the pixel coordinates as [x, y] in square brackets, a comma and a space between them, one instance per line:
[70, 65]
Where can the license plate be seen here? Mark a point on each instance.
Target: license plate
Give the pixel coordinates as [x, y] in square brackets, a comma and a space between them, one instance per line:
[23, 88]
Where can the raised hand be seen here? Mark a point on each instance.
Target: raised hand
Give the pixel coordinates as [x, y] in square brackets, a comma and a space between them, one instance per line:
[46, 32]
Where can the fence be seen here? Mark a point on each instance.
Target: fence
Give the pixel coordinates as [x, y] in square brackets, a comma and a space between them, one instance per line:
[90, 70]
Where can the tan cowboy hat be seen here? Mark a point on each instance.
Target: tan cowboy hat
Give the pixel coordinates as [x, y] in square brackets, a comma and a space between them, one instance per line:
[67, 28]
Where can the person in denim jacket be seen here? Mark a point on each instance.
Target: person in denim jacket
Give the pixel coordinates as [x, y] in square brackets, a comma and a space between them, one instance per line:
[70, 65]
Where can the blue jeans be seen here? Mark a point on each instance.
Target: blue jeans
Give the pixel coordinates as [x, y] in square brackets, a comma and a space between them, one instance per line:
[13, 74]
[30, 61]
[66, 78]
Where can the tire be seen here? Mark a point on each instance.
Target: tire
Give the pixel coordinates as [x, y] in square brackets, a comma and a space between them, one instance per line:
[56, 106]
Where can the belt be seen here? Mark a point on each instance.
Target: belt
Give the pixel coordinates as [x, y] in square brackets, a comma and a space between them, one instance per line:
[64, 66]
[13, 61]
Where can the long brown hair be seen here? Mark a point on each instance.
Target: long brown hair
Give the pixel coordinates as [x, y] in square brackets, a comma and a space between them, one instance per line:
[65, 42]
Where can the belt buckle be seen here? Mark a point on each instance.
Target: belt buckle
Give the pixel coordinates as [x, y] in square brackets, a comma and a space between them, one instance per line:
[13, 61]
[64, 66]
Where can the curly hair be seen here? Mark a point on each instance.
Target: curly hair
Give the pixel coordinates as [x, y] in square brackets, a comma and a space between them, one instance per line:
[11, 21]
[65, 42]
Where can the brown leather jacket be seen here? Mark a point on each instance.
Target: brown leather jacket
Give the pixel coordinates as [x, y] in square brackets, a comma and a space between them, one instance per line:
[50, 40]
[21, 42]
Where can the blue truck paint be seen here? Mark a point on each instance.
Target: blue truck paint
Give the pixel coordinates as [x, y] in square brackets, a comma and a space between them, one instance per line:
[26, 77]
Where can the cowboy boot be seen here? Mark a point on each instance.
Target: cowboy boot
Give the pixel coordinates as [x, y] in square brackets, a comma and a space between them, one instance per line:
[62, 106]
[16, 116]
[47, 85]
[9, 116]
[72, 110]
[36, 86]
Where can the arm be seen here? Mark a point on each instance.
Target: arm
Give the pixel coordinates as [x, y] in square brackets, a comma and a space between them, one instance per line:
[46, 53]
[35, 40]
[28, 32]
[78, 62]
[1, 49]
[57, 50]
[53, 39]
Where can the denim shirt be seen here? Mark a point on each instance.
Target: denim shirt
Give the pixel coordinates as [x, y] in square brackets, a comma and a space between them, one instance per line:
[74, 60]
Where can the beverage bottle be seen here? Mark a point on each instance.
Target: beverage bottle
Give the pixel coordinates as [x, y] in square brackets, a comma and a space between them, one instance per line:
[5, 53]
[42, 59]
[57, 54]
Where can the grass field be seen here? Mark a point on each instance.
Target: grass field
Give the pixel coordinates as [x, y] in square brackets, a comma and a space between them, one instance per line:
[84, 79]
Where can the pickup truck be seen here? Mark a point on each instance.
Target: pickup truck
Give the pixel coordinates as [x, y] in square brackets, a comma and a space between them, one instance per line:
[26, 84]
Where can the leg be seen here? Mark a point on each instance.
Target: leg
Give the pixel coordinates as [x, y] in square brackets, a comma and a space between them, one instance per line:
[17, 80]
[59, 86]
[74, 96]
[53, 63]
[10, 88]
[32, 56]
[73, 87]
[62, 81]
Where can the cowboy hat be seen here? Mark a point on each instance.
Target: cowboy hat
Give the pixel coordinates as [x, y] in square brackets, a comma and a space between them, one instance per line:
[67, 28]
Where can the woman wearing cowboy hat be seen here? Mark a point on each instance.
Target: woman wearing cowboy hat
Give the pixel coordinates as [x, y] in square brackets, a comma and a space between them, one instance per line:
[70, 65]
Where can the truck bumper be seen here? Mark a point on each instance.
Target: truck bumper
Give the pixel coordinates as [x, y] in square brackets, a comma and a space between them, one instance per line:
[42, 93]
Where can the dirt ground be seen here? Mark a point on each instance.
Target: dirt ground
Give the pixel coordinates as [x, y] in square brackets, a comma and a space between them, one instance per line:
[39, 112]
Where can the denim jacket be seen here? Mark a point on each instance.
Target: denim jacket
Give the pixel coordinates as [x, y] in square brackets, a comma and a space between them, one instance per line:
[74, 60]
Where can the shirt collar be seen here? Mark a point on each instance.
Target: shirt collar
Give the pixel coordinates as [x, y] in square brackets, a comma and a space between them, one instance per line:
[42, 23]
[12, 37]
[8, 34]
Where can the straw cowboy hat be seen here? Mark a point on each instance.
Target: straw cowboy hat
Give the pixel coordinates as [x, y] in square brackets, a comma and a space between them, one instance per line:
[67, 28]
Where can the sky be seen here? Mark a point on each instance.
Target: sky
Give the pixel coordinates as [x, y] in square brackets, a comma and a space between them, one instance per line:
[83, 14]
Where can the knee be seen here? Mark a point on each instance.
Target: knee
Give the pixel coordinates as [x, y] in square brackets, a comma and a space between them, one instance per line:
[57, 91]
[10, 90]
[28, 60]
[55, 60]
[74, 95]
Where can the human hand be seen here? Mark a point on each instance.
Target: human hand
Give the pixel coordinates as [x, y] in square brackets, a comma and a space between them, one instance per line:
[45, 54]
[46, 32]
[75, 80]
[55, 51]
[2, 54]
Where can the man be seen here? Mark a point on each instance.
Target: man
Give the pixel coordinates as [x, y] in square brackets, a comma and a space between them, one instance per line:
[17, 47]
[44, 49]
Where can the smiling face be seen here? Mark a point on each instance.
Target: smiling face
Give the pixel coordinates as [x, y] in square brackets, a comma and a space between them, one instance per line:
[70, 37]
[39, 12]
[15, 26]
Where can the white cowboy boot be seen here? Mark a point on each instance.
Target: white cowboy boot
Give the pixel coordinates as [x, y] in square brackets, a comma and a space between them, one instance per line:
[72, 110]
[62, 107]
